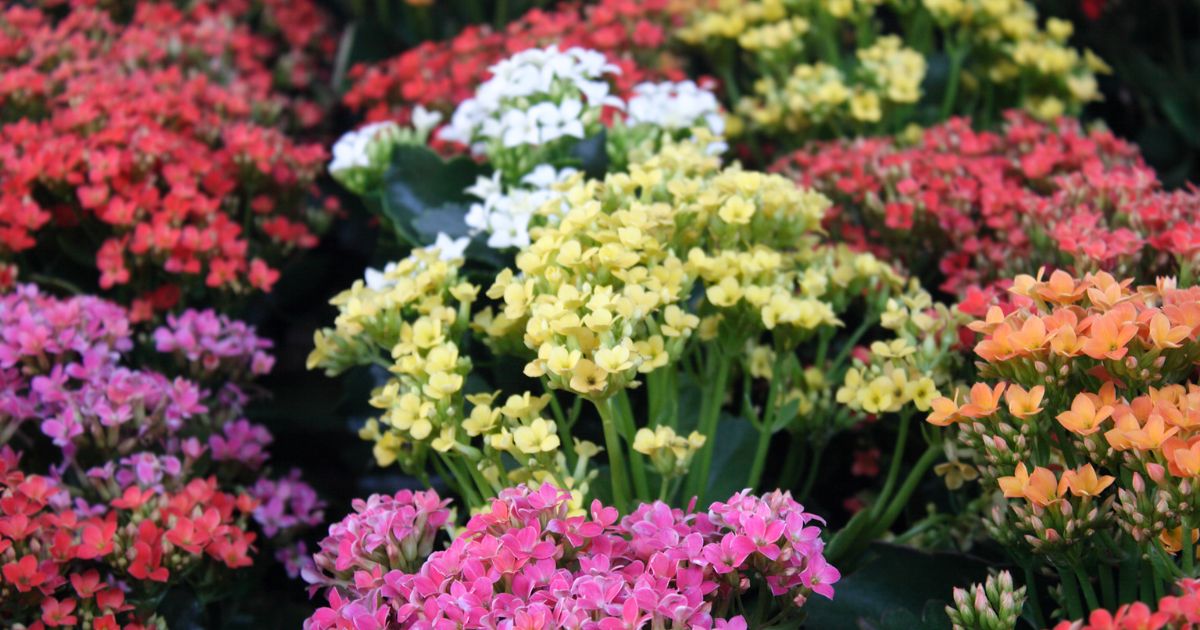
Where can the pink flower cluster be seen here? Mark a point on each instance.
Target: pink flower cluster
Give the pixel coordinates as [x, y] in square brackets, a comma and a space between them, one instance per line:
[216, 344]
[159, 142]
[528, 563]
[1000, 203]
[384, 533]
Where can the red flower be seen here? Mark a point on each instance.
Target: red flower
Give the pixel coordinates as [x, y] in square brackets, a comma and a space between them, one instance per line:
[24, 573]
[58, 613]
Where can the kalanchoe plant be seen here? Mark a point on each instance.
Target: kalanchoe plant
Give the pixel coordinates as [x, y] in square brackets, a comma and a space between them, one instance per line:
[1170, 611]
[132, 169]
[528, 560]
[1084, 421]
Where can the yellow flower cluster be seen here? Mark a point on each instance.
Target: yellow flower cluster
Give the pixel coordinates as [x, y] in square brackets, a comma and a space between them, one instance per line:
[411, 316]
[909, 368]
[602, 293]
[887, 75]
[410, 321]
[823, 66]
[1022, 56]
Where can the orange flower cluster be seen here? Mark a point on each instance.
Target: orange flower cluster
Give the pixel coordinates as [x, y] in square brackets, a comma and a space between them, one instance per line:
[1086, 387]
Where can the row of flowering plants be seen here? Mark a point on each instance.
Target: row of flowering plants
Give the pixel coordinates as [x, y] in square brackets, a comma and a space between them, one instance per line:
[648, 279]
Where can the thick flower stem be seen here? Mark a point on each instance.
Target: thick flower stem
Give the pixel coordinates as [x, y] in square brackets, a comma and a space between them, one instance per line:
[1189, 553]
[710, 413]
[616, 454]
[636, 461]
[897, 458]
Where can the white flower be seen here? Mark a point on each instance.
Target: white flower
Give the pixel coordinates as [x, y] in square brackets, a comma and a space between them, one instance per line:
[508, 231]
[449, 248]
[545, 176]
[352, 149]
[377, 280]
[424, 120]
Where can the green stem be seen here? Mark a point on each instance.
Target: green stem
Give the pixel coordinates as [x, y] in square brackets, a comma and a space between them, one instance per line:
[810, 477]
[1108, 591]
[1070, 593]
[760, 456]
[897, 458]
[636, 461]
[710, 413]
[1035, 602]
[1089, 593]
[616, 454]
[1189, 550]
[958, 54]
[899, 501]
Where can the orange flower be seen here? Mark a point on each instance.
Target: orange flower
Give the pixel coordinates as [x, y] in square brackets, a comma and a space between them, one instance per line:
[998, 346]
[1107, 337]
[1150, 435]
[1124, 424]
[1172, 540]
[1183, 458]
[945, 411]
[1044, 488]
[1023, 404]
[1040, 487]
[1014, 486]
[1085, 416]
[1084, 482]
[984, 400]
[1106, 292]
[1061, 288]
[995, 317]
[1032, 336]
[1163, 335]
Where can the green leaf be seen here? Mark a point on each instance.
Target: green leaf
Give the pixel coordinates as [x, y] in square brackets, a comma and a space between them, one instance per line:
[424, 194]
[592, 154]
[894, 588]
[735, 441]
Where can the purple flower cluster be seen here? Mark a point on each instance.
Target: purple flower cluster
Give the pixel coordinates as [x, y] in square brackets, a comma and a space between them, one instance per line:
[286, 504]
[528, 563]
[125, 431]
[212, 344]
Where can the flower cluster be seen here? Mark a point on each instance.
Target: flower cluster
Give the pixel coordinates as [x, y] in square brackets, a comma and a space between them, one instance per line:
[994, 605]
[189, 187]
[1089, 376]
[819, 68]
[1172, 611]
[440, 75]
[416, 315]
[361, 156]
[154, 464]
[1030, 193]
[214, 346]
[527, 562]
[63, 560]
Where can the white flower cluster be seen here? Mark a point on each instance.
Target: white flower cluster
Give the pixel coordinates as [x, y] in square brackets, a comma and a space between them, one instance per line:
[535, 97]
[362, 155]
[504, 215]
[678, 106]
[675, 106]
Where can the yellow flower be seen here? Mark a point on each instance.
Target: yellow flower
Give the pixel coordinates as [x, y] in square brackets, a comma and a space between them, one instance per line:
[737, 210]
[587, 378]
[537, 437]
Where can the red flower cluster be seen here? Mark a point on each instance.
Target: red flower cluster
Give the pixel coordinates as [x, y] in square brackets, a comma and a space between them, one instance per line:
[440, 75]
[1182, 611]
[161, 141]
[62, 562]
[997, 203]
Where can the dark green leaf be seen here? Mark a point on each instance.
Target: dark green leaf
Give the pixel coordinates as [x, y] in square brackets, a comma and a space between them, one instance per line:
[422, 193]
[592, 154]
[896, 585]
